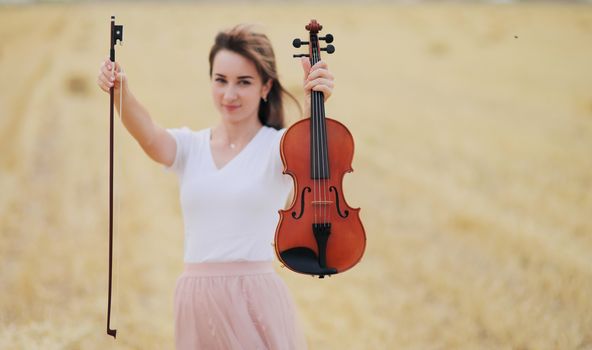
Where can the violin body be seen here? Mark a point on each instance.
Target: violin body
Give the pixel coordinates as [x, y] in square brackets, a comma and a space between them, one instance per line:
[320, 234]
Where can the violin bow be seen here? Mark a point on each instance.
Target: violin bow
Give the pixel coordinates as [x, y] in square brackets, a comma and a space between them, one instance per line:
[116, 34]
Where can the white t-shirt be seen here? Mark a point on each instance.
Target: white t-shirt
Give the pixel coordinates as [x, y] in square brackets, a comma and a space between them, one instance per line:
[230, 214]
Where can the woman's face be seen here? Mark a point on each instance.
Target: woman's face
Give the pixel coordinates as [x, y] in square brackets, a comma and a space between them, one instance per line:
[236, 87]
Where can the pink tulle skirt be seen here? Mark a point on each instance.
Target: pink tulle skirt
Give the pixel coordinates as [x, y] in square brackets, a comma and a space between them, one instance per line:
[234, 305]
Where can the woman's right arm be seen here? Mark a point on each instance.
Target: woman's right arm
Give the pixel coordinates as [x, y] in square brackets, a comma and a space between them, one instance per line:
[156, 142]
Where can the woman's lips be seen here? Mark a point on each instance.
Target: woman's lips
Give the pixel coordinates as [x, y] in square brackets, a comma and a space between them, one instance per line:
[231, 108]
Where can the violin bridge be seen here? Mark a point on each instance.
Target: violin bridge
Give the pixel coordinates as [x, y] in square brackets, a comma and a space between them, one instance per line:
[322, 202]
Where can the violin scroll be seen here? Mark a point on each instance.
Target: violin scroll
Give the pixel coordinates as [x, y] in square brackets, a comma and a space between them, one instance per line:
[314, 51]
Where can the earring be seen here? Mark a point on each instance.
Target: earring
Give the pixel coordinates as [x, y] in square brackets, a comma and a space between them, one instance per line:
[264, 99]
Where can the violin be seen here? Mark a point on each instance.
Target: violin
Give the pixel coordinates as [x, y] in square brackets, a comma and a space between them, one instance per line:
[319, 234]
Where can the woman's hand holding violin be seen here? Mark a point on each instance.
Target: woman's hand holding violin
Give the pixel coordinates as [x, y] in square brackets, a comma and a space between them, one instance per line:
[316, 78]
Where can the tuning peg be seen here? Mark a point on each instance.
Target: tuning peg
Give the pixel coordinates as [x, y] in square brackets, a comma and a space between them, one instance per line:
[297, 43]
[330, 49]
[301, 55]
[328, 38]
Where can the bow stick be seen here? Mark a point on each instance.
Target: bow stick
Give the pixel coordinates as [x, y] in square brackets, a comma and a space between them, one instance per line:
[116, 34]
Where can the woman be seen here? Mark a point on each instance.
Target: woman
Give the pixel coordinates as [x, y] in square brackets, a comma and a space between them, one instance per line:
[231, 184]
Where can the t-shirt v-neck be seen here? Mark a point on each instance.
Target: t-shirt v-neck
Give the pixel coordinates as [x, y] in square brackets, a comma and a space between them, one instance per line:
[236, 156]
[230, 214]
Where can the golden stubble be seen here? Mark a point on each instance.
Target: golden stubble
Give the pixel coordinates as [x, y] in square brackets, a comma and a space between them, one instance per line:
[473, 131]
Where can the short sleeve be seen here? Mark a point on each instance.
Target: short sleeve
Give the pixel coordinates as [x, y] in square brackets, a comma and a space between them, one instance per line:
[184, 139]
[278, 165]
[285, 181]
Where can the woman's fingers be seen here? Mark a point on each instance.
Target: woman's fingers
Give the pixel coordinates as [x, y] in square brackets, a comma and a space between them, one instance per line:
[105, 74]
[106, 67]
[318, 79]
[321, 84]
[320, 64]
[305, 66]
[320, 68]
[320, 73]
[104, 83]
[108, 71]
[109, 75]
[105, 80]
[109, 65]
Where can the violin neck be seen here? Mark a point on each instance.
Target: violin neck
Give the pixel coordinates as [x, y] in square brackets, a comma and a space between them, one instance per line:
[317, 104]
[318, 130]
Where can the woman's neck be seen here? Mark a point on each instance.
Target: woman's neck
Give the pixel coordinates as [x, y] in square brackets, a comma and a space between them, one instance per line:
[235, 135]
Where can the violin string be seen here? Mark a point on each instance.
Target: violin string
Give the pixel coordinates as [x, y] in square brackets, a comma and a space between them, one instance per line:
[313, 145]
[325, 155]
[326, 143]
[319, 173]
[323, 149]
[321, 162]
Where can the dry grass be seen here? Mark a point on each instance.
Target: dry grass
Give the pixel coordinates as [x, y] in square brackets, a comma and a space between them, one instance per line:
[473, 169]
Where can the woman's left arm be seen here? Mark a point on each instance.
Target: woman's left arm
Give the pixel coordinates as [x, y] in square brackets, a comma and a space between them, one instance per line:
[316, 78]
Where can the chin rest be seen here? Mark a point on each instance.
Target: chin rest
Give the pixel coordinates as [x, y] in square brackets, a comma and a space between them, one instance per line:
[305, 260]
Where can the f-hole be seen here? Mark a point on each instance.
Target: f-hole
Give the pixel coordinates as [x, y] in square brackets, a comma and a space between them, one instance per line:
[346, 212]
[294, 215]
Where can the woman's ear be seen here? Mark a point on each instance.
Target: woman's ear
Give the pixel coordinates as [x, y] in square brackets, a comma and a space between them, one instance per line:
[266, 88]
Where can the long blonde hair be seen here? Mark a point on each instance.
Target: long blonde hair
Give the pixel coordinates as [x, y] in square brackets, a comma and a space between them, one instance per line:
[256, 47]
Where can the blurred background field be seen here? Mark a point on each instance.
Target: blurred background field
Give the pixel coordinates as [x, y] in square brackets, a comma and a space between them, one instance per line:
[473, 169]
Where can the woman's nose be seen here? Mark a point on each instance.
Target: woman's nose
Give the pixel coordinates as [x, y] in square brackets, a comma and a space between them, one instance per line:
[230, 93]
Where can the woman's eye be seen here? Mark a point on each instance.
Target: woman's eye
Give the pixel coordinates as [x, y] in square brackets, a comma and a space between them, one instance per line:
[244, 82]
[220, 80]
